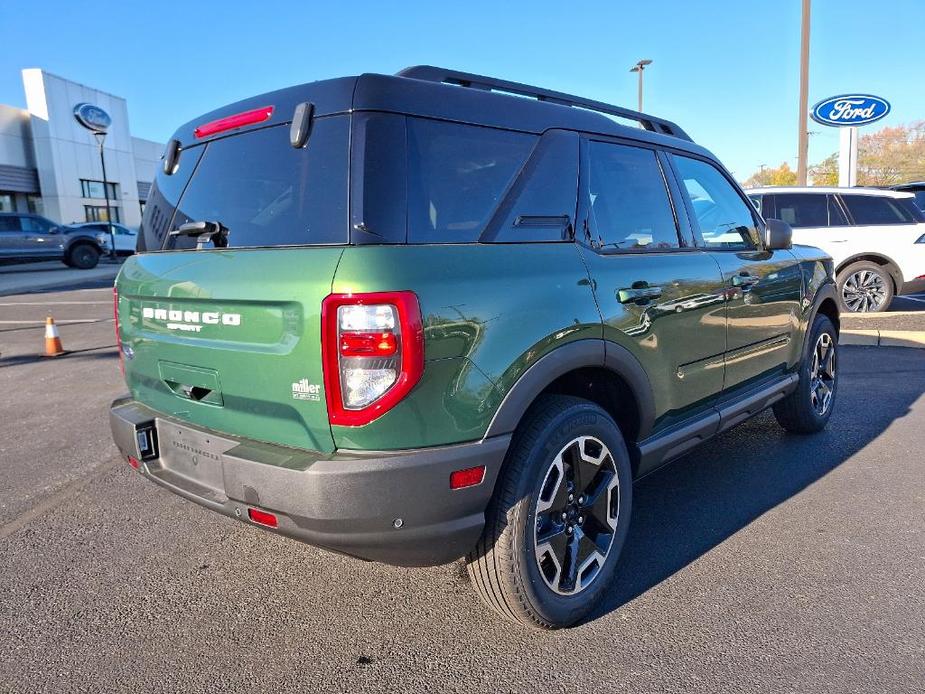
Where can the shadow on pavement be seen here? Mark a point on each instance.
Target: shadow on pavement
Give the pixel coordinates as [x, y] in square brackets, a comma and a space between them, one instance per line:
[81, 355]
[685, 509]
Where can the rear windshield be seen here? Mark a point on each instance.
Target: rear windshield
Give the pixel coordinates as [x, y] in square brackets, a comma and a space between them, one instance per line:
[265, 192]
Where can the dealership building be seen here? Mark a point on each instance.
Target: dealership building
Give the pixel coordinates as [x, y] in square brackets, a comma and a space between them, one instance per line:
[50, 163]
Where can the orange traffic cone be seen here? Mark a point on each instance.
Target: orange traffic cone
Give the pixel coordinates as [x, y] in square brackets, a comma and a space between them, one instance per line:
[53, 346]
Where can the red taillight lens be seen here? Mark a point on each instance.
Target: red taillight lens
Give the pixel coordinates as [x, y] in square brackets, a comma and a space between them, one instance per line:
[377, 344]
[373, 353]
[238, 120]
[115, 315]
[469, 477]
[262, 517]
[133, 461]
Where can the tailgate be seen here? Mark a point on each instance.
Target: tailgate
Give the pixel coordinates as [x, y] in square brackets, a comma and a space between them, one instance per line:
[230, 339]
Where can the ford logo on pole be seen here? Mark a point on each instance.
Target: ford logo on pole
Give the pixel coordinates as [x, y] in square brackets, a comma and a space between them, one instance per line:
[92, 117]
[850, 109]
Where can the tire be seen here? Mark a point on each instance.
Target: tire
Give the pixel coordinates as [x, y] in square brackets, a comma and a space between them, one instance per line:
[864, 287]
[558, 437]
[83, 256]
[808, 408]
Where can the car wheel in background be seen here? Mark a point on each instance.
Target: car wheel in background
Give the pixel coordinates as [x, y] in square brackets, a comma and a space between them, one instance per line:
[559, 517]
[865, 287]
[83, 256]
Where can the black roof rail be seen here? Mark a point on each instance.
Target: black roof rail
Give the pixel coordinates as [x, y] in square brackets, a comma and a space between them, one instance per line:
[429, 73]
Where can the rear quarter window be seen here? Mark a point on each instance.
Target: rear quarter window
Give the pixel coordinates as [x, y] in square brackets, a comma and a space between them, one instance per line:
[876, 209]
[457, 176]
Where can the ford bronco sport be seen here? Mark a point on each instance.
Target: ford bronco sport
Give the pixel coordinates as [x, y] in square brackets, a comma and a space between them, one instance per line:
[436, 315]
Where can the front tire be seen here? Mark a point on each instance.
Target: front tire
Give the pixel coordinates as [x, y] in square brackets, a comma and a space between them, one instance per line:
[559, 516]
[808, 408]
[83, 256]
[864, 287]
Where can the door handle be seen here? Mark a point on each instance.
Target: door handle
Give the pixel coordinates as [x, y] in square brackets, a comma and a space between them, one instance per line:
[639, 295]
[745, 280]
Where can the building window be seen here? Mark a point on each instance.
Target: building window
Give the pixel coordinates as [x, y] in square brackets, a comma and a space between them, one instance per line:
[94, 189]
[141, 204]
[97, 213]
[34, 204]
[7, 202]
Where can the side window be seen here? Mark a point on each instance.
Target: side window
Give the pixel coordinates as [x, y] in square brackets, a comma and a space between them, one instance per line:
[457, 175]
[9, 223]
[803, 209]
[756, 201]
[875, 209]
[836, 215]
[724, 219]
[628, 202]
[35, 224]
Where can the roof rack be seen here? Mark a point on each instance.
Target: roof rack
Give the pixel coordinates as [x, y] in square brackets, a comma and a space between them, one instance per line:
[429, 73]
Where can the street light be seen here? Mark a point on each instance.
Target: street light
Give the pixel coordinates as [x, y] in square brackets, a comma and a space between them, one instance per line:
[100, 139]
[640, 68]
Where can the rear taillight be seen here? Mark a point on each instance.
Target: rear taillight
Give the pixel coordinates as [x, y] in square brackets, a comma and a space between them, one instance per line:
[115, 315]
[373, 353]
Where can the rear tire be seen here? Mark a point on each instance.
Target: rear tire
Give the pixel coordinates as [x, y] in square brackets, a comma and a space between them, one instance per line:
[808, 408]
[864, 287]
[83, 256]
[544, 566]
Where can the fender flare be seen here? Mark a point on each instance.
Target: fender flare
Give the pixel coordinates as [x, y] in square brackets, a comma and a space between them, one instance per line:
[826, 291]
[575, 355]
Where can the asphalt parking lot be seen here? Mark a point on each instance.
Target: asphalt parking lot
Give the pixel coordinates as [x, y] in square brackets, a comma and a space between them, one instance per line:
[762, 562]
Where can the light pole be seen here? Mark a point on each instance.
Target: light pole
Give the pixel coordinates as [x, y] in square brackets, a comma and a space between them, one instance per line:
[101, 138]
[640, 68]
[803, 140]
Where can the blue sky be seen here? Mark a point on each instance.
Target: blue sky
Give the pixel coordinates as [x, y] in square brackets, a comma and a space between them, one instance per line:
[725, 70]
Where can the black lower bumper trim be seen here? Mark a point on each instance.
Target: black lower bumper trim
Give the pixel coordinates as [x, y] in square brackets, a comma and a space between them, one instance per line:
[392, 506]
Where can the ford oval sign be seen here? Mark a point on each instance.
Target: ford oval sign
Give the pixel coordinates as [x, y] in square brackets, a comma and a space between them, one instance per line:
[92, 117]
[850, 109]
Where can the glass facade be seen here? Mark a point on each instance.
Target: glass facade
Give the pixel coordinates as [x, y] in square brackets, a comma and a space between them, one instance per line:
[94, 189]
[97, 213]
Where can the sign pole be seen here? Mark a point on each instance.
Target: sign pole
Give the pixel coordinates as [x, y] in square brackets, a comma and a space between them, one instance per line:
[803, 139]
[848, 158]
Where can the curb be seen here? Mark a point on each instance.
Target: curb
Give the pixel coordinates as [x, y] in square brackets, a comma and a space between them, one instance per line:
[883, 338]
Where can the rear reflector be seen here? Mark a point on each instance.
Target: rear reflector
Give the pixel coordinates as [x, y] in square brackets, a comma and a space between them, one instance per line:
[238, 120]
[133, 461]
[262, 517]
[469, 477]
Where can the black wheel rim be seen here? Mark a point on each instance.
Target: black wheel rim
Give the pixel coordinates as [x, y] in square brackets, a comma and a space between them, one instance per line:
[822, 374]
[576, 515]
[864, 290]
[83, 256]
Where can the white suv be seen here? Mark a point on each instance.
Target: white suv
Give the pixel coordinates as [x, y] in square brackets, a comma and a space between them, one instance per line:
[876, 238]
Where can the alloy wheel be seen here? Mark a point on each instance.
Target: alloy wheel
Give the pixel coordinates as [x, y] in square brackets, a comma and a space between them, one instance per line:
[864, 290]
[822, 374]
[576, 515]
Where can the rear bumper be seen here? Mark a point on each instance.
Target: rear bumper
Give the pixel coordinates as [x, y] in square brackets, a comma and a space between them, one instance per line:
[348, 502]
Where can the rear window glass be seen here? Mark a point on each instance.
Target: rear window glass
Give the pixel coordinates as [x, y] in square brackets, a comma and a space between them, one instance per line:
[457, 175]
[269, 194]
[627, 198]
[874, 209]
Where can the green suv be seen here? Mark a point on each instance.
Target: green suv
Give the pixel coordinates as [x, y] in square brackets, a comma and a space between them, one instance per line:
[436, 315]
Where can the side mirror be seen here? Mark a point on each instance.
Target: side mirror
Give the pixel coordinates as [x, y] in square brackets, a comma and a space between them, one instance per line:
[778, 236]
